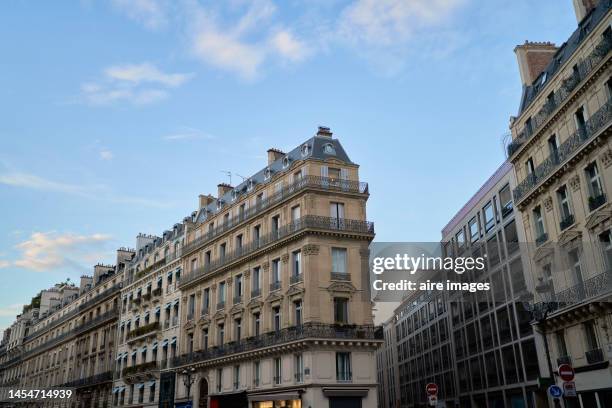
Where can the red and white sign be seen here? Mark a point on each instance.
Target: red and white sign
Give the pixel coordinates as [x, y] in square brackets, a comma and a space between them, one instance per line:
[569, 389]
[431, 389]
[433, 400]
[566, 372]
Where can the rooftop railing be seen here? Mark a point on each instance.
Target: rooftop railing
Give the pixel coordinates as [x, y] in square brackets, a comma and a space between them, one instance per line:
[583, 70]
[575, 142]
[289, 334]
[301, 183]
[301, 224]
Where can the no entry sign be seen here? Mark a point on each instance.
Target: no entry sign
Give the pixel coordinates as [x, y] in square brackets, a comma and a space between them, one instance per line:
[566, 372]
[431, 389]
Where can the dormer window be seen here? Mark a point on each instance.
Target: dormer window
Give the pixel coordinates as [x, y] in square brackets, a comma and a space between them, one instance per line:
[329, 148]
[267, 174]
[250, 185]
[305, 149]
[234, 195]
[219, 204]
[286, 162]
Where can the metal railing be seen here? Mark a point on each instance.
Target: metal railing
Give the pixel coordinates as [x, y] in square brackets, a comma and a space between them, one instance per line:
[574, 143]
[286, 335]
[91, 380]
[564, 360]
[140, 368]
[142, 330]
[596, 201]
[567, 221]
[299, 184]
[594, 356]
[275, 286]
[255, 293]
[589, 288]
[301, 224]
[585, 67]
[340, 276]
[540, 239]
[296, 278]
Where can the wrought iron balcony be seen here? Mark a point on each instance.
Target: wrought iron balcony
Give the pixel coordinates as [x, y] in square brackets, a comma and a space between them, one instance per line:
[573, 144]
[542, 238]
[585, 67]
[589, 288]
[596, 201]
[296, 278]
[308, 222]
[286, 335]
[564, 360]
[256, 292]
[140, 368]
[237, 299]
[594, 356]
[343, 276]
[275, 286]
[220, 305]
[143, 330]
[301, 183]
[157, 292]
[91, 380]
[566, 222]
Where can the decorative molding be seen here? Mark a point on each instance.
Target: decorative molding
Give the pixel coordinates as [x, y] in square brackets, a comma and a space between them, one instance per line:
[345, 287]
[189, 325]
[229, 281]
[199, 294]
[213, 287]
[600, 216]
[606, 158]
[236, 309]
[220, 315]
[265, 266]
[247, 274]
[204, 321]
[184, 298]
[285, 258]
[295, 290]
[254, 303]
[310, 249]
[548, 204]
[574, 183]
[274, 296]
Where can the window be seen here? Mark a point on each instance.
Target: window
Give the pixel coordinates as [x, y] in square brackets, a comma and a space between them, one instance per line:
[256, 373]
[239, 241]
[277, 374]
[219, 379]
[295, 213]
[576, 269]
[564, 207]
[275, 225]
[205, 339]
[238, 329]
[256, 234]
[298, 362]
[221, 293]
[460, 237]
[152, 392]
[191, 307]
[595, 185]
[276, 318]
[256, 324]
[561, 345]
[190, 343]
[296, 261]
[206, 301]
[489, 216]
[505, 199]
[590, 336]
[238, 289]
[343, 367]
[473, 227]
[336, 210]
[220, 334]
[236, 377]
[341, 310]
[529, 167]
[222, 248]
[298, 312]
[207, 258]
[580, 120]
[256, 282]
[605, 240]
[538, 221]
[276, 275]
[339, 260]
[553, 147]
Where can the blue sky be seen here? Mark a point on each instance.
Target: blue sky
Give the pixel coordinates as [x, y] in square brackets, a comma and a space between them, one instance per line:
[117, 114]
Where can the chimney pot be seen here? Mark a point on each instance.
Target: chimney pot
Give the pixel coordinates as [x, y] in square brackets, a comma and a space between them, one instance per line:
[533, 58]
[324, 131]
[205, 200]
[274, 154]
[222, 189]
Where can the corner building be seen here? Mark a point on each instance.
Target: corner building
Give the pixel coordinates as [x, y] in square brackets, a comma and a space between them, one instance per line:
[276, 308]
[561, 152]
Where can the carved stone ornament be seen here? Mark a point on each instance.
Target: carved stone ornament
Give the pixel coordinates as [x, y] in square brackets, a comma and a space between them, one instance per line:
[213, 287]
[606, 158]
[189, 325]
[274, 297]
[247, 273]
[199, 295]
[295, 291]
[265, 266]
[310, 249]
[574, 183]
[184, 299]
[229, 281]
[285, 258]
[548, 204]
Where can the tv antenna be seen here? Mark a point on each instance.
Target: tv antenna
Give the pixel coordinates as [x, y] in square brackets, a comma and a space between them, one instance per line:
[228, 174]
[242, 177]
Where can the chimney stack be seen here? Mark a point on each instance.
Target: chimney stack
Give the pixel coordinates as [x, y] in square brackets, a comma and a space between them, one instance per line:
[533, 58]
[274, 154]
[324, 132]
[205, 200]
[222, 189]
[584, 7]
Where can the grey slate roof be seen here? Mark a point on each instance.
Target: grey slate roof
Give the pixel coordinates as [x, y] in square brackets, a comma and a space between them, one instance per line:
[565, 52]
[316, 149]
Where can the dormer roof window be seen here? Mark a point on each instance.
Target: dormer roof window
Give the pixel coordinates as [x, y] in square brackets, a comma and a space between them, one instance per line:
[305, 149]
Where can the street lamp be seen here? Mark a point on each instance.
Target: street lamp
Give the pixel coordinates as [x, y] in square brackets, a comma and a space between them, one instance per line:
[189, 379]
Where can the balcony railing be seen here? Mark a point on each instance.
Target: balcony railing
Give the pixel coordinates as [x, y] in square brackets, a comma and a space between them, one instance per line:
[596, 201]
[560, 96]
[140, 368]
[142, 330]
[220, 305]
[237, 299]
[275, 286]
[157, 292]
[296, 278]
[256, 292]
[286, 335]
[589, 288]
[204, 311]
[91, 380]
[153, 266]
[307, 222]
[299, 184]
[344, 376]
[575, 142]
[542, 238]
[564, 360]
[340, 276]
[594, 356]
[566, 222]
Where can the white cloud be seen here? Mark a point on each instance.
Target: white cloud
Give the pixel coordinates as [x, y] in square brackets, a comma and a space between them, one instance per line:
[285, 43]
[139, 84]
[388, 22]
[38, 183]
[4, 263]
[151, 13]
[48, 251]
[187, 133]
[11, 310]
[106, 154]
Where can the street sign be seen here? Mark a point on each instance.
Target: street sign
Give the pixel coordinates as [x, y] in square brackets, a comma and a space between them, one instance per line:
[569, 389]
[431, 389]
[566, 372]
[433, 400]
[555, 391]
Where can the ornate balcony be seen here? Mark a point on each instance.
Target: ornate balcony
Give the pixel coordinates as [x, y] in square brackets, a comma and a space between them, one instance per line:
[542, 238]
[275, 286]
[588, 289]
[286, 335]
[296, 278]
[91, 380]
[566, 222]
[594, 356]
[308, 222]
[300, 184]
[585, 67]
[140, 368]
[596, 201]
[342, 276]
[600, 120]
[147, 329]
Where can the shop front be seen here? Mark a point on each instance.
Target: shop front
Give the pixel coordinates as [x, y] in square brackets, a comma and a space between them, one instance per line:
[234, 400]
[278, 400]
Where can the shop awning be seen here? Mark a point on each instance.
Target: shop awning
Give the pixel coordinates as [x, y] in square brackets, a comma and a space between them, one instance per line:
[151, 383]
[165, 343]
[157, 309]
[154, 346]
[345, 392]
[173, 340]
[288, 396]
[139, 386]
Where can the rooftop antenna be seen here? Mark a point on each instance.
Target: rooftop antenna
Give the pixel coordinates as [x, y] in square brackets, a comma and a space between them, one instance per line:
[242, 177]
[228, 174]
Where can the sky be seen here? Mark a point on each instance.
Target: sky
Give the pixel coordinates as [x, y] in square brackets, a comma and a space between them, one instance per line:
[116, 114]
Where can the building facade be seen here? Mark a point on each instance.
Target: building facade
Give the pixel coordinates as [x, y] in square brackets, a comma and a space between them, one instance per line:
[149, 323]
[276, 296]
[387, 367]
[561, 155]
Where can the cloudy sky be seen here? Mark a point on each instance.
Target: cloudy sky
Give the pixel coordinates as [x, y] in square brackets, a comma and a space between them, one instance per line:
[117, 114]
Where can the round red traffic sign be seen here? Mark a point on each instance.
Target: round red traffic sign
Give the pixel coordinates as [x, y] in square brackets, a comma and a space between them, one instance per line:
[566, 372]
[431, 389]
